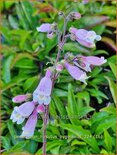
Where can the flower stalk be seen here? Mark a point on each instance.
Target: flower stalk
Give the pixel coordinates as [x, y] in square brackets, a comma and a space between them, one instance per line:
[60, 47]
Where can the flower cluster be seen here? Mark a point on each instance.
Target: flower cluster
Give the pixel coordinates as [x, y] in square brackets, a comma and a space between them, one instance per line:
[30, 109]
[77, 66]
[82, 64]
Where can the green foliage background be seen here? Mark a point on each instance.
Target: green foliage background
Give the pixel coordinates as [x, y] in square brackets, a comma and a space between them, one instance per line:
[82, 117]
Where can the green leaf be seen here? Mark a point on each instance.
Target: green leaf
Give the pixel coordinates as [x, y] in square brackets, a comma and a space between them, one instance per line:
[8, 3]
[83, 95]
[60, 106]
[107, 140]
[84, 111]
[98, 94]
[6, 33]
[51, 145]
[31, 146]
[21, 56]
[27, 8]
[24, 35]
[83, 134]
[113, 68]
[15, 81]
[52, 109]
[105, 124]
[12, 131]
[112, 87]
[23, 20]
[25, 63]
[16, 148]
[75, 47]
[72, 107]
[110, 109]
[13, 22]
[60, 92]
[97, 52]
[55, 150]
[77, 142]
[6, 69]
[6, 142]
[31, 83]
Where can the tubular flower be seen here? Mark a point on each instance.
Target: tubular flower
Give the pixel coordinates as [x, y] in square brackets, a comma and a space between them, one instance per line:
[20, 113]
[43, 91]
[84, 37]
[93, 60]
[85, 62]
[20, 98]
[44, 28]
[49, 28]
[75, 72]
[28, 129]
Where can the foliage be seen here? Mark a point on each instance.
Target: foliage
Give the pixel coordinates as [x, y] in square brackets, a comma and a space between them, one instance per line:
[82, 117]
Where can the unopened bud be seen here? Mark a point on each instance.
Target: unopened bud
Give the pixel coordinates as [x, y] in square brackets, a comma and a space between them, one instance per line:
[21, 98]
[59, 67]
[40, 108]
[74, 15]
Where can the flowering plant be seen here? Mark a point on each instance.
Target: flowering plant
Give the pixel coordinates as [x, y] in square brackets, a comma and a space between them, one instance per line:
[77, 66]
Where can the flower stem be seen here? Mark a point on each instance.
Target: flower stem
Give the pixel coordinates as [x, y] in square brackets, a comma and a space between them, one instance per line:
[44, 128]
[60, 46]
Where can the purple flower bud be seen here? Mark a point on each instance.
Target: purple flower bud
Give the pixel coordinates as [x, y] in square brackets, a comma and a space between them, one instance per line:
[93, 60]
[40, 108]
[44, 28]
[28, 129]
[84, 37]
[59, 67]
[20, 98]
[43, 91]
[20, 113]
[75, 72]
[76, 15]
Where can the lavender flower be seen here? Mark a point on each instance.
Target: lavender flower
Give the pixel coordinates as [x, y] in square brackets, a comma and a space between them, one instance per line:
[20, 98]
[20, 113]
[43, 91]
[93, 60]
[49, 28]
[84, 37]
[75, 72]
[28, 129]
[44, 28]
[85, 62]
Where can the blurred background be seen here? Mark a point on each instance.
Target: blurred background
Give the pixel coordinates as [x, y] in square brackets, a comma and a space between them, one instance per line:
[82, 117]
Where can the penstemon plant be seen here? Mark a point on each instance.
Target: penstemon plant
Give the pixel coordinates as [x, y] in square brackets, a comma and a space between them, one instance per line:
[77, 66]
